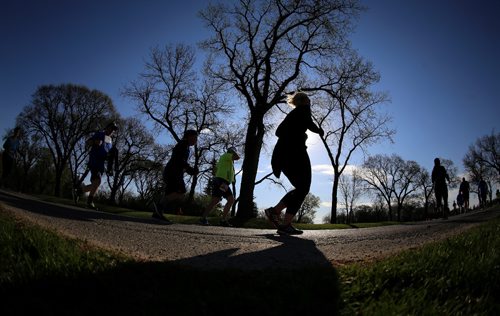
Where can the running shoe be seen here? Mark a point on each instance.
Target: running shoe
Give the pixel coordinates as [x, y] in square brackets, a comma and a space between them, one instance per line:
[272, 216]
[92, 206]
[225, 223]
[161, 218]
[204, 221]
[288, 230]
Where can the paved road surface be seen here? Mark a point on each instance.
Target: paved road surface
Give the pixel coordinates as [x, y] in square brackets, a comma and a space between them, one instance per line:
[219, 247]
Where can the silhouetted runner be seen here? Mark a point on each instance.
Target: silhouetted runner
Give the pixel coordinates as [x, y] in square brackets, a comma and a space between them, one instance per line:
[10, 146]
[290, 157]
[224, 177]
[101, 151]
[460, 202]
[173, 174]
[482, 191]
[439, 177]
[465, 189]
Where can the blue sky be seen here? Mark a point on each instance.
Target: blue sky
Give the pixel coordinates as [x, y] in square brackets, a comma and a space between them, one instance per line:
[438, 61]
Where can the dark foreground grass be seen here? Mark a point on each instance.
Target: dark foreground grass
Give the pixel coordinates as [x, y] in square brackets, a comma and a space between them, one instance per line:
[460, 276]
[43, 273]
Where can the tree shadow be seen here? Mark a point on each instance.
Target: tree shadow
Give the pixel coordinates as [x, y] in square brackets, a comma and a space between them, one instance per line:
[70, 212]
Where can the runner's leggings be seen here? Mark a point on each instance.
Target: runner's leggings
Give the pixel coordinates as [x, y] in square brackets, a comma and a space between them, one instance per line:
[297, 168]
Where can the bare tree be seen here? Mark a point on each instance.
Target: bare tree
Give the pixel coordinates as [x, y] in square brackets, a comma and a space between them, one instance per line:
[135, 145]
[63, 115]
[348, 113]
[452, 171]
[307, 211]
[326, 219]
[424, 182]
[482, 161]
[78, 161]
[260, 48]
[27, 155]
[148, 178]
[478, 170]
[380, 173]
[30, 148]
[351, 190]
[171, 95]
[406, 182]
[485, 153]
[392, 178]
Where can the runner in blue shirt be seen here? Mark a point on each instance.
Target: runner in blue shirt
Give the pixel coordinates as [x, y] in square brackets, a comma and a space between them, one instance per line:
[101, 151]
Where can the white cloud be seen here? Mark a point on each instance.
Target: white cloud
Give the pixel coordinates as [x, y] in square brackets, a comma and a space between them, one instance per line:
[349, 169]
[328, 169]
[323, 169]
[326, 204]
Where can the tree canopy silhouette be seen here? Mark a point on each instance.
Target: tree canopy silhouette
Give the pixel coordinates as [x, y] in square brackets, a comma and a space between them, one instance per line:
[62, 115]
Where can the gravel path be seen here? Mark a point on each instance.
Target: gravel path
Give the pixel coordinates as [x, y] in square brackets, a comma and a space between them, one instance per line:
[218, 247]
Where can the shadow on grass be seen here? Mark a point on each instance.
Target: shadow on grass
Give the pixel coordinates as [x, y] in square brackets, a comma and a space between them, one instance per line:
[64, 211]
[270, 282]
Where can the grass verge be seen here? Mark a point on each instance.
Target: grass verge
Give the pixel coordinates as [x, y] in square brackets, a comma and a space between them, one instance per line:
[459, 276]
[258, 223]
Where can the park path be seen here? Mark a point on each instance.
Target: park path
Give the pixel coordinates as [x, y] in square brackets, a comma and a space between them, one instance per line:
[220, 248]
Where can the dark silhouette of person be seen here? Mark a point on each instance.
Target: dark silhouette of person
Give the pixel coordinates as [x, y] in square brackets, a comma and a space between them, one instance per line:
[173, 174]
[482, 190]
[460, 202]
[439, 177]
[290, 157]
[11, 147]
[224, 177]
[465, 190]
[102, 154]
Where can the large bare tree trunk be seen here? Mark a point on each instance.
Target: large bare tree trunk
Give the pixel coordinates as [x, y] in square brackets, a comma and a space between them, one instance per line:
[333, 214]
[253, 146]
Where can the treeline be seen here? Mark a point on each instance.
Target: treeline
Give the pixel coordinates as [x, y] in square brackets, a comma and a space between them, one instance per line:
[52, 154]
[403, 190]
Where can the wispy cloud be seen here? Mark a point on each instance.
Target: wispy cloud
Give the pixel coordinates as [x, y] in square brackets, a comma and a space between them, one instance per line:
[326, 204]
[323, 169]
[328, 169]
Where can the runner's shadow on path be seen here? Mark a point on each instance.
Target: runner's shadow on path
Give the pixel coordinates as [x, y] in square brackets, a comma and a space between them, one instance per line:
[283, 252]
[31, 204]
[290, 278]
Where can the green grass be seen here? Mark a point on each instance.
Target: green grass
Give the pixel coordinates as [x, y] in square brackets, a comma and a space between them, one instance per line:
[42, 271]
[460, 276]
[258, 223]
